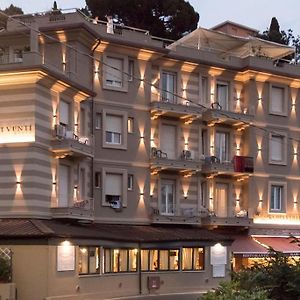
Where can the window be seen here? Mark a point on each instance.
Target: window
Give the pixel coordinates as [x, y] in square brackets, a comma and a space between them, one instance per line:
[89, 260]
[82, 184]
[222, 146]
[97, 179]
[204, 148]
[64, 113]
[160, 260]
[98, 121]
[130, 182]
[130, 70]
[204, 90]
[130, 125]
[277, 146]
[113, 134]
[64, 186]
[276, 200]
[120, 260]
[169, 87]
[223, 95]
[203, 193]
[277, 103]
[114, 72]
[192, 259]
[113, 189]
[82, 122]
[168, 197]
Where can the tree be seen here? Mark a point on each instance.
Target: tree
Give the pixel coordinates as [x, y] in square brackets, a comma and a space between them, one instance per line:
[274, 34]
[11, 10]
[167, 18]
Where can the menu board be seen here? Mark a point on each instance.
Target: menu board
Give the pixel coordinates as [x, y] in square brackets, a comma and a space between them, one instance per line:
[65, 258]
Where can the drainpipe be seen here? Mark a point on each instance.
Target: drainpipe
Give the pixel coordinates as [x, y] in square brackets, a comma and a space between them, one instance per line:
[92, 131]
[140, 268]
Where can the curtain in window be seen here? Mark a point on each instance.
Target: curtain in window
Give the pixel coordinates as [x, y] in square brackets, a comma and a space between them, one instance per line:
[174, 259]
[222, 143]
[169, 87]
[144, 260]
[163, 259]
[153, 260]
[187, 258]
[198, 259]
[133, 260]
[83, 260]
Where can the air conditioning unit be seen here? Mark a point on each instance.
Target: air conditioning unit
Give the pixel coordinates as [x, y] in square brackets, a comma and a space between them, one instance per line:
[188, 154]
[60, 130]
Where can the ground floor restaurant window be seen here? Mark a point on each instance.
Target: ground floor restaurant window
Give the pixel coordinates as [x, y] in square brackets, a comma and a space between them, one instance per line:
[89, 260]
[120, 260]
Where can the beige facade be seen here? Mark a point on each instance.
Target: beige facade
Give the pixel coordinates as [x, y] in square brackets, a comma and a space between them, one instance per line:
[100, 129]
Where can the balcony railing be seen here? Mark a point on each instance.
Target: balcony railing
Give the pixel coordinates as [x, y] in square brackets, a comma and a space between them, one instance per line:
[80, 209]
[239, 164]
[178, 216]
[68, 143]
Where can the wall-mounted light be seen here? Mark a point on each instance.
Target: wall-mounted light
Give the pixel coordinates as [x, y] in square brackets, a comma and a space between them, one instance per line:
[260, 200]
[151, 195]
[54, 182]
[18, 182]
[259, 149]
[142, 194]
[185, 197]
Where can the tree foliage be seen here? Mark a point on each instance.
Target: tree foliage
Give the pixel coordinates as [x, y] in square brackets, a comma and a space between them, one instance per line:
[274, 34]
[167, 18]
[11, 10]
[278, 278]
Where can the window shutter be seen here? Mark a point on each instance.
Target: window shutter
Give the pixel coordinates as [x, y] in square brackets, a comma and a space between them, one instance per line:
[113, 184]
[277, 99]
[114, 70]
[114, 123]
[276, 148]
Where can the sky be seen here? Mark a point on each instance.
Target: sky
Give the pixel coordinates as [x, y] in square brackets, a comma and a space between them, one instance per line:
[254, 13]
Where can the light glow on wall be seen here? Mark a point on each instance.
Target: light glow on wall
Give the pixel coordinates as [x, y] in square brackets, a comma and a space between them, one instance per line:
[277, 220]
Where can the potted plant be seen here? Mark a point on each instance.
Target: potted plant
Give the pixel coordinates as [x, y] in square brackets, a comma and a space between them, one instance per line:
[5, 270]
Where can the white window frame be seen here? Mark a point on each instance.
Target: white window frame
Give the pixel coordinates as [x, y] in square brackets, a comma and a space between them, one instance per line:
[283, 197]
[224, 83]
[130, 125]
[130, 180]
[284, 148]
[98, 121]
[124, 83]
[124, 174]
[123, 139]
[284, 112]
[166, 181]
[227, 146]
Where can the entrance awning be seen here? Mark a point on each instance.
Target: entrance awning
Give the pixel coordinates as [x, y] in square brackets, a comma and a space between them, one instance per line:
[259, 246]
[248, 247]
[281, 244]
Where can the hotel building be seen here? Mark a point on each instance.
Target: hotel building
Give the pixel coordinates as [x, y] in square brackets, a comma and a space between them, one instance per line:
[133, 165]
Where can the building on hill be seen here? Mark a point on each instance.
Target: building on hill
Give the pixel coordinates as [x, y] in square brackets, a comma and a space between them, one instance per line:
[132, 165]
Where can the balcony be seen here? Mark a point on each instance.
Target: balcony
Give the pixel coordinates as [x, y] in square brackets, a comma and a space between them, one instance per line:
[240, 165]
[237, 119]
[187, 113]
[182, 216]
[81, 210]
[186, 163]
[67, 143]
[238, 219]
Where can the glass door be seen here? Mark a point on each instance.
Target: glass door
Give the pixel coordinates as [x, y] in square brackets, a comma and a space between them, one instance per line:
[168, 197]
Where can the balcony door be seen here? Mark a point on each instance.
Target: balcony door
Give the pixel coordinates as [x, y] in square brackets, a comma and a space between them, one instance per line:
[168, 140]
[222, 146]
[221, 201]
[169, 87]
[63, 186]
[167, 197]
[223, 94]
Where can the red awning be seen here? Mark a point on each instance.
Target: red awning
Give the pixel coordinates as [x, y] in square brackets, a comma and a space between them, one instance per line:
[248, 247]
[281, 244]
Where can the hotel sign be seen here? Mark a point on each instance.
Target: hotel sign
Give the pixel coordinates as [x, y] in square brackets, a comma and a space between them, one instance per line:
[17, 131]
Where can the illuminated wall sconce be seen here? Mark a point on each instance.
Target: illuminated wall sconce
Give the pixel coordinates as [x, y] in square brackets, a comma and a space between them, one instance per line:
[212, 94]
[293, 105]
[237, 99]
[260, 201]
[75, 187]
[151, 195]
[142, 194]
[295, 201]
[185, 197]
[295, 153]
[259, 98]
[63, 63]
[18, 182]
[142, 137]
[259, 149]
[54, 182]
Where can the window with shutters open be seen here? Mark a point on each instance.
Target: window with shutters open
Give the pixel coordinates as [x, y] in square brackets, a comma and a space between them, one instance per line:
[277, 148]
[278, 105]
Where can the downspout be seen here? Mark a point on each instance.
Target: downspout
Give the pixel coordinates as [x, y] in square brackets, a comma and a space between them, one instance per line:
[140, 268]
[92, 131]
